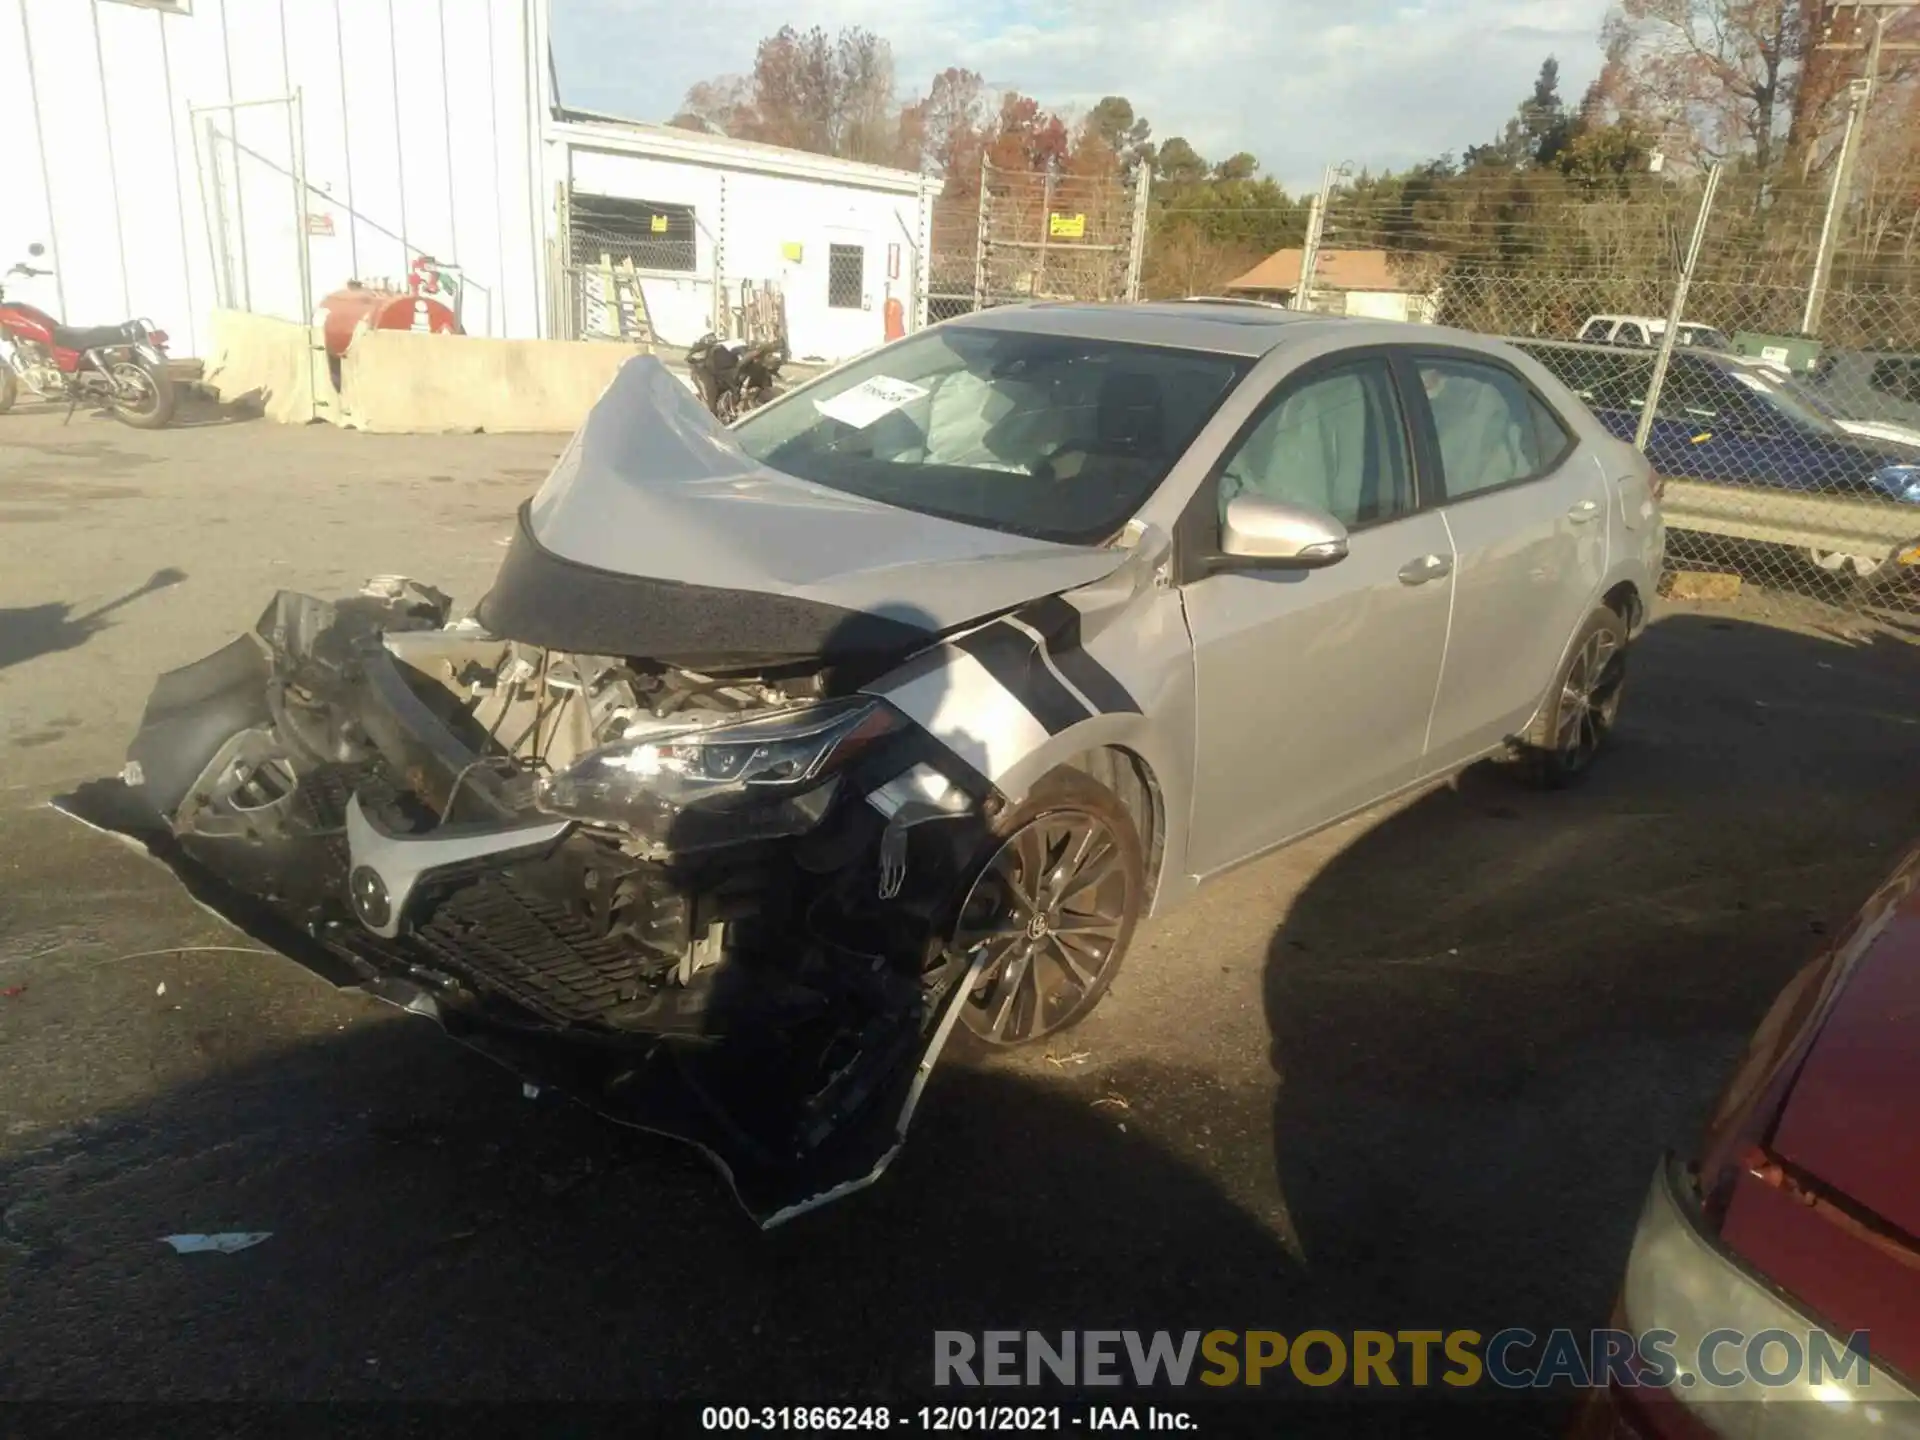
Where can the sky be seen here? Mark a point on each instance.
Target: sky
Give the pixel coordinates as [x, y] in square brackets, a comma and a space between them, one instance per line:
[1300, 83]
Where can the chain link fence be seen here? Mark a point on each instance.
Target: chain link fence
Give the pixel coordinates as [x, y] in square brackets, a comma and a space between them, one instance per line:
[1020, 235]
[1791, 460]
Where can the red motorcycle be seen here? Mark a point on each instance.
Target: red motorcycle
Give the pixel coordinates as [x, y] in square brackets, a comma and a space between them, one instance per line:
[123, 367]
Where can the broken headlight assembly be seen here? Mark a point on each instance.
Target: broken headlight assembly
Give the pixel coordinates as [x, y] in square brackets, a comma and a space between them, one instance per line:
[681, 790]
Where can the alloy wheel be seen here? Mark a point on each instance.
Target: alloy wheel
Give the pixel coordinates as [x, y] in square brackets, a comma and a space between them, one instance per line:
[1051, 911]
[1589, 700]
[133, 389]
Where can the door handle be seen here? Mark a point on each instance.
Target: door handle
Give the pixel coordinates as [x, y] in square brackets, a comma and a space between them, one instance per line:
[1584, 511]
[1427, 567]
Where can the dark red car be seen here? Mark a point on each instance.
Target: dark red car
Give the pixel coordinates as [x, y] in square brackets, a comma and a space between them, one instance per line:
[1801, 1215]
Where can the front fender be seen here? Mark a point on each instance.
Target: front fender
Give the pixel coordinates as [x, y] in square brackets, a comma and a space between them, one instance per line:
[1107, 666]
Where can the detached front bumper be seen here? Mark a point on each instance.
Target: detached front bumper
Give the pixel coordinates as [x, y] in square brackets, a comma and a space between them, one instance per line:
[297, 784]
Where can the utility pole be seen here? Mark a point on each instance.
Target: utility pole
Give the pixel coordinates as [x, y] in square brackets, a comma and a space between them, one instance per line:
[1038, 285]
[1671, 334]
[1862, 91]
[1316, 225]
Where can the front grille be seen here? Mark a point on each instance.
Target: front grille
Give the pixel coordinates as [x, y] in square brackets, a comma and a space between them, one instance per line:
[496, 934]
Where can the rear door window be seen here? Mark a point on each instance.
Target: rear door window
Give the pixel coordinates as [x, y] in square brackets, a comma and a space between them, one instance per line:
[1493, 430]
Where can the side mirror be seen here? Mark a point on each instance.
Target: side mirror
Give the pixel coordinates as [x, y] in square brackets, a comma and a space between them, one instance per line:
[1284, 536]
[36, 249]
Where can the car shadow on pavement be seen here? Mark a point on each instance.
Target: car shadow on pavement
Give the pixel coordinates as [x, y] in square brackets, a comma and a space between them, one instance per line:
[434, 1235]
[29, 631]
[1495, 1008]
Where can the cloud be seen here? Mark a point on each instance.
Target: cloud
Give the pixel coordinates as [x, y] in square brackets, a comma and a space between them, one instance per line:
[1299, 83]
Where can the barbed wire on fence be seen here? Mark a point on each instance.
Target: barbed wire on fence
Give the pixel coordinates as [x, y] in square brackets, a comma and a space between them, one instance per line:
[1019, 235]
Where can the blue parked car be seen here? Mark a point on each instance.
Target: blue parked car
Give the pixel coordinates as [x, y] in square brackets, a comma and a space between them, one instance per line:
[1733, 422]
[1737, 422]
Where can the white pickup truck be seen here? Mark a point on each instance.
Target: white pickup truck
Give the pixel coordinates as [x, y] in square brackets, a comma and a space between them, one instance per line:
[1646, 330]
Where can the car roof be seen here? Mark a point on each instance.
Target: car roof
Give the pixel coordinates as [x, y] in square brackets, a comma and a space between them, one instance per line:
[1220, 327]
[1636, 354]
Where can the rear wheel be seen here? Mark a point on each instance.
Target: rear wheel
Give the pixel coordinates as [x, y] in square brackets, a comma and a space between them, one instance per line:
[142, 393]
[1582, 705]
[1053, 909]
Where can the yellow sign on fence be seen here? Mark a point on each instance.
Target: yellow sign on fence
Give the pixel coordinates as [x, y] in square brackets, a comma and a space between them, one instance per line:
[1067, 227]
[659, 226]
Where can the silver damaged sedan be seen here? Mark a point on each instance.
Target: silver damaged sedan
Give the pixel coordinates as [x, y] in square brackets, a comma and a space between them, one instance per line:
[779, 756]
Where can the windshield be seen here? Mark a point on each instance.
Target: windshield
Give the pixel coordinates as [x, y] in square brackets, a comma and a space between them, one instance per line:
[1798, 403]
[1705, 336]
[1054, 437]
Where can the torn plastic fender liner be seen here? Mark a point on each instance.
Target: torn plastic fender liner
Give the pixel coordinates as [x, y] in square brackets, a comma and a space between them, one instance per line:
[192, 713]
[195, 710]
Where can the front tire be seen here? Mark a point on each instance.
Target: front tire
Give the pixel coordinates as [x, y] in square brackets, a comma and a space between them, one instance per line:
[1578, 717]
[1054, 901]
[143, 394]
[9, 388]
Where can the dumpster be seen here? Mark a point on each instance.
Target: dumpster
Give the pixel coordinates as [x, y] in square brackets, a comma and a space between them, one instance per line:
[1796, 354]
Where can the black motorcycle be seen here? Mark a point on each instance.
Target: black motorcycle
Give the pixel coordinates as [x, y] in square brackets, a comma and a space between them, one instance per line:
[735, 376]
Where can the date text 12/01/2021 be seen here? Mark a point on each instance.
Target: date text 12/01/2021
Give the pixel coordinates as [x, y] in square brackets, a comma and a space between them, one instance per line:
[942, 1419]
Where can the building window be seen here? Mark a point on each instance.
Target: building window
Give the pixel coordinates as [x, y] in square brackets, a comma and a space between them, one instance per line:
[653, 234]
[846, 276]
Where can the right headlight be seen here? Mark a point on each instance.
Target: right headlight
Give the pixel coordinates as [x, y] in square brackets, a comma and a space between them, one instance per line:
[683, 789]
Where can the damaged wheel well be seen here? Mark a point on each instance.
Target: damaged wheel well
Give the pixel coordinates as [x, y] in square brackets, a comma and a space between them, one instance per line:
[1132, 780]
[1624, 601]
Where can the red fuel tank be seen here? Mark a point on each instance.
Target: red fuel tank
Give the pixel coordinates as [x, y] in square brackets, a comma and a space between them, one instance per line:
[342, 312]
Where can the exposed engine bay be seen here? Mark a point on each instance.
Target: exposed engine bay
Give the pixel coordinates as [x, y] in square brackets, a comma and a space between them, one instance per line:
[718, 905]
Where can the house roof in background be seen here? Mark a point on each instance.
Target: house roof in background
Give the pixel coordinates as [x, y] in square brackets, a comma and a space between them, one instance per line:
[1335, 270]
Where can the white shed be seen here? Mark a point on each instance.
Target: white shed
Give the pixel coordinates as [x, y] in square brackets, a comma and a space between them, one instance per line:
[178, 156]
[836, 239]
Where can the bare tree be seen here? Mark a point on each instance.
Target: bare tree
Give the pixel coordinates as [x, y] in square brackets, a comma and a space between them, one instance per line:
[862, 123]
[721, 106]
[831, 95]
[794, 90]
[946, 128]
[1725, 70]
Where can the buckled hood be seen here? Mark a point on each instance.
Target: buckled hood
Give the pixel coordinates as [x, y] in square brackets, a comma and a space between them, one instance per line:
[658, 535]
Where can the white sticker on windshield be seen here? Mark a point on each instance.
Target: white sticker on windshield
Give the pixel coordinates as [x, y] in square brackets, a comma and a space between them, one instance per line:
[869, 401]
[1752, 382]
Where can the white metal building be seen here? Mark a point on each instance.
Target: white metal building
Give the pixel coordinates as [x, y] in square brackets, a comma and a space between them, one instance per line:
[174, 156]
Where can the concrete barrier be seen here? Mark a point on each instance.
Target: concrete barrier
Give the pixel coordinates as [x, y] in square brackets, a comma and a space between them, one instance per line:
[276, 365]
[395, 381]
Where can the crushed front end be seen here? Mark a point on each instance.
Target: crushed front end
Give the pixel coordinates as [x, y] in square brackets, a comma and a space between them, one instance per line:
[715, 904]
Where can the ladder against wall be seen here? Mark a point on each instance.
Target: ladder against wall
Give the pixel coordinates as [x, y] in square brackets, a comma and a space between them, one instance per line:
[624, 315]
